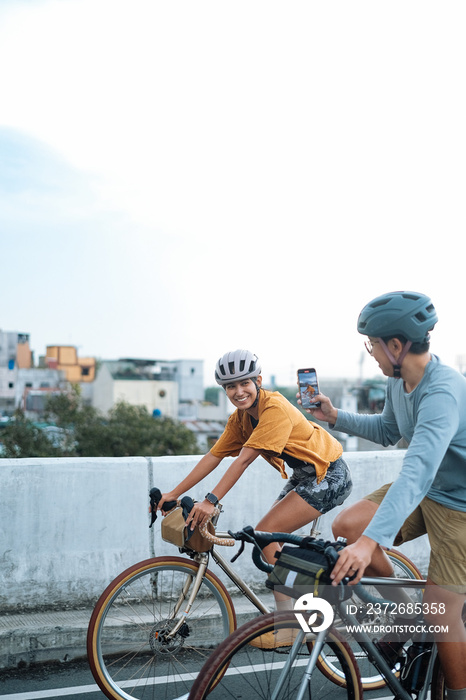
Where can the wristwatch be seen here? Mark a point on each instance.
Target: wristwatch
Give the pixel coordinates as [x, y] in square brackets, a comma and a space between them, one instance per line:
[212, 498]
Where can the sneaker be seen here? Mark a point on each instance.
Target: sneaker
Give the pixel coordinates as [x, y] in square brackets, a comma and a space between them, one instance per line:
[275, 639]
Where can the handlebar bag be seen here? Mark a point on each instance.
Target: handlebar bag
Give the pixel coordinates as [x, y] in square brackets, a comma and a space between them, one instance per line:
[173, 529]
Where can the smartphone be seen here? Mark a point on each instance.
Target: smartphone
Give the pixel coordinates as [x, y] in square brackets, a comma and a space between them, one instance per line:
[308, 387]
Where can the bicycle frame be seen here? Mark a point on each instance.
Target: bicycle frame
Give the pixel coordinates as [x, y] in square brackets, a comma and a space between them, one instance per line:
[238, 581]
[366, 643]
[343, 616]
[241, 585]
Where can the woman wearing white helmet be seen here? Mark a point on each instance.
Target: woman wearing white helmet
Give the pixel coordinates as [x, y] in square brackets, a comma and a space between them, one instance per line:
[265, 423]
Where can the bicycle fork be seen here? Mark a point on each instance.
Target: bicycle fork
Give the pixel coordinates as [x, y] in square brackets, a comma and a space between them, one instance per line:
[193, 582]
[310, 666]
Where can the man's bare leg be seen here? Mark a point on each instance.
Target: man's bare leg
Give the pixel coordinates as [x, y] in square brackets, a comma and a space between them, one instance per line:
[351, 523]
[452, 644]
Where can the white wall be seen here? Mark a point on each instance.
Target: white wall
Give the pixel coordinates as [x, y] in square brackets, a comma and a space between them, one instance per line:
[69, 526]
[151, 394]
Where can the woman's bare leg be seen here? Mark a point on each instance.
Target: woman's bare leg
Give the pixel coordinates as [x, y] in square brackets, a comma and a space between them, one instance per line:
[287, 515]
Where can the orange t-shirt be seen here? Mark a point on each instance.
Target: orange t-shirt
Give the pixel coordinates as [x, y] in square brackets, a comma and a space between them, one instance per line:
[281, 428]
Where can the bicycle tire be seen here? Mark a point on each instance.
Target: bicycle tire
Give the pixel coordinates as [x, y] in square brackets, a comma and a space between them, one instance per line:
[403, 568]
[237, 669]
[128, 654]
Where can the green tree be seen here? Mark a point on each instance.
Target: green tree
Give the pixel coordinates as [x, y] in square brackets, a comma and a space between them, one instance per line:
[85, 432]
[21, 438]
[82, 425]
[131, 430]
[128, 430]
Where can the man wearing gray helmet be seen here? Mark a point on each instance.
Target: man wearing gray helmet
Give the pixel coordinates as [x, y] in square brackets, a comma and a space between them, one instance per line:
[425, 405]
[265, 423]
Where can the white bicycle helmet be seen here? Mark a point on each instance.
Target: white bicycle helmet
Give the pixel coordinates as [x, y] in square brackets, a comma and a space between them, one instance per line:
[237, 365]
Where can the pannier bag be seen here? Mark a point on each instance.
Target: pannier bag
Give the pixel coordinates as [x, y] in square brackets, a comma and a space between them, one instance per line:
[308, 567]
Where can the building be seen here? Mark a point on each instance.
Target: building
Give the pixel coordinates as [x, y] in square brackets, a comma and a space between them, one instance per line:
[15, 354]
[148, 383]
[65, 358]
[34, 385]
[206, 420]
[188, 374]
[24, 386]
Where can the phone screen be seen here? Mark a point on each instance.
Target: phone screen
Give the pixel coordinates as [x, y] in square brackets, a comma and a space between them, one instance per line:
[308, 387]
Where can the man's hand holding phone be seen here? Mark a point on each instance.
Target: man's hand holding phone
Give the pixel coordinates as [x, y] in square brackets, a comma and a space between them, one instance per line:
[325, 412]
[310, 398]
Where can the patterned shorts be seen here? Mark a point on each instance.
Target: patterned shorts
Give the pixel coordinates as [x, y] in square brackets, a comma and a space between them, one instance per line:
[334, 488]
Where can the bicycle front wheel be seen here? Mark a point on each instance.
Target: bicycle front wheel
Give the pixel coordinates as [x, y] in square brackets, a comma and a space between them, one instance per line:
[131, 652]
[243, 668]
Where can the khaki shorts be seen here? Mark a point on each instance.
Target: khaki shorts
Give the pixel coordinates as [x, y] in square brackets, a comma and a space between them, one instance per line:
[446, 529]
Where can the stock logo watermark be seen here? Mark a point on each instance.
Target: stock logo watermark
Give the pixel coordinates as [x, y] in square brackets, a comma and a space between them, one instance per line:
[311, 605]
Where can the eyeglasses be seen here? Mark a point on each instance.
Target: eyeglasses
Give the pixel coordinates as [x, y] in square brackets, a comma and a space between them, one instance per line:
[369, 344]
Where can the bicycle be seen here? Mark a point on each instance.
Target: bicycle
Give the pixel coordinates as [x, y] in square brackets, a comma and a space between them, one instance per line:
[156, 623]
[241, 669]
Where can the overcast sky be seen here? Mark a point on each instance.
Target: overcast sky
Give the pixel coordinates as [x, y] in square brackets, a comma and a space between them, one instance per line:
[182, 178]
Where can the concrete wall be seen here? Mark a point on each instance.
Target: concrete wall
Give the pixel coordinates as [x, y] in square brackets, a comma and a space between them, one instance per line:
[69, 526]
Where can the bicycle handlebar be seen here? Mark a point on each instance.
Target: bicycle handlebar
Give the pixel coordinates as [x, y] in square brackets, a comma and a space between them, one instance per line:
[262, 539]
[330, 549]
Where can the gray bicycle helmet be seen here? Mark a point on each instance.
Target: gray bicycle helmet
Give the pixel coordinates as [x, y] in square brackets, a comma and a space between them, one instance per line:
[237, 365]
[409, 314]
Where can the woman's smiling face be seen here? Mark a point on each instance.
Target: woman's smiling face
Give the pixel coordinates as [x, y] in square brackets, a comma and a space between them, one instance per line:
[243, 394]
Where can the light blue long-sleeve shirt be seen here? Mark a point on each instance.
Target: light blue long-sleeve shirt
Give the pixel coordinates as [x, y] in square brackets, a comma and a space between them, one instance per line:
[432, 419]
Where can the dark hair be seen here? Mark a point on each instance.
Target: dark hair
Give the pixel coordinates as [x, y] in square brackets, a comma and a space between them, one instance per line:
[416, 348]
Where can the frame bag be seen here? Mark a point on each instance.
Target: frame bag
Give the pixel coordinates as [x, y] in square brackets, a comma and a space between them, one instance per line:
[306, 569]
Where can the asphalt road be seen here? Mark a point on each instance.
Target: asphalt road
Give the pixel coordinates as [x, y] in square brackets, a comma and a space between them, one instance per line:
[72, 680]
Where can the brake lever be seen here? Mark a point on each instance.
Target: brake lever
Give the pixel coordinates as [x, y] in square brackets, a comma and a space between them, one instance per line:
[238, 553]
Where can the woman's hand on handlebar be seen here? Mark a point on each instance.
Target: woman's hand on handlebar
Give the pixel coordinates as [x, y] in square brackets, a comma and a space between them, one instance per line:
[167, 497]
[325, 412]
[200, 514]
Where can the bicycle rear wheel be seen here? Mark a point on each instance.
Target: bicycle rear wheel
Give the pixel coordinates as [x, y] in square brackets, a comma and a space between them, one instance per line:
[238, 670]
[130, 653]
[371, 679]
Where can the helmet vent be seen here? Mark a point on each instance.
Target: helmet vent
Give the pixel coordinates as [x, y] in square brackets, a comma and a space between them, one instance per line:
[420, 316]
[231, 367]
[381, 302]
[241, 366]
[430, 309]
